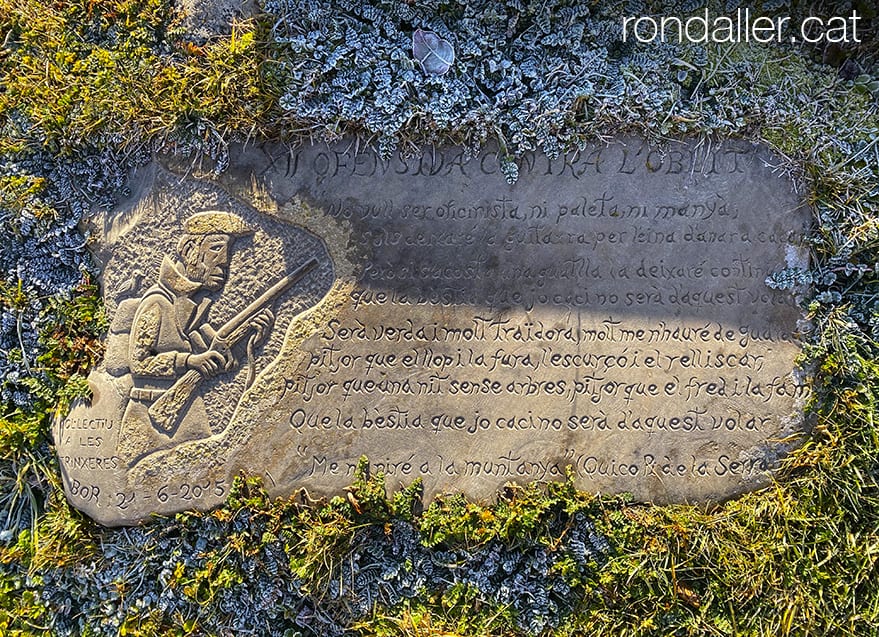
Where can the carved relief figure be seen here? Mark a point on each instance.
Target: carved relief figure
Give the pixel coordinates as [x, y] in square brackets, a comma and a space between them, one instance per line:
[171, 348]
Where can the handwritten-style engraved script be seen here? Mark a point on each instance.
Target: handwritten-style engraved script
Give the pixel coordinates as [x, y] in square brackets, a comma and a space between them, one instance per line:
[606, 315]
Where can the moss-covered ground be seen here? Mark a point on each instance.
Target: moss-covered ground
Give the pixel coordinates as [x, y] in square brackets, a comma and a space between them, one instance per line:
[90, 88]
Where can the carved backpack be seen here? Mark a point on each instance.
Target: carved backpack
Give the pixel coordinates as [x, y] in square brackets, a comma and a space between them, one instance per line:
[116, 357]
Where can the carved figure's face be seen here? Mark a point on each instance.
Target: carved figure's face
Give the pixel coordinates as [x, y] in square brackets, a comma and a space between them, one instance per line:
[209, 263]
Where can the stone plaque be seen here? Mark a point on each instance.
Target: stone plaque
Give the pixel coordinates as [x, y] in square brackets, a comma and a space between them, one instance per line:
[606, 315]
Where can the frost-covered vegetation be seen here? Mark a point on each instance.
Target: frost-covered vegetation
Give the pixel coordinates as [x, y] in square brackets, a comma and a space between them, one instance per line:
[91, 89]
[263, 569]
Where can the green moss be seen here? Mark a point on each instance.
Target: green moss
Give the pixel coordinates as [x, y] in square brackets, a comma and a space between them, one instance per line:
[110, 75]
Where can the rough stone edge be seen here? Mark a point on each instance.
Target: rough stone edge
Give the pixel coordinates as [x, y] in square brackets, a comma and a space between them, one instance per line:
[337, 237]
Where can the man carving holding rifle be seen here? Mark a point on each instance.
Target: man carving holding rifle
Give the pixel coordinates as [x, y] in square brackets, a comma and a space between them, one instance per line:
[171, 338]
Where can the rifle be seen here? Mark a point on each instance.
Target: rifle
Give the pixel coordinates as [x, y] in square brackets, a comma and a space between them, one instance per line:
[166, 411]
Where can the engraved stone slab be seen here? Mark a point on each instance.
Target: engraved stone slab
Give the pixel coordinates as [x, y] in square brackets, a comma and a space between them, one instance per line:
[607, 313]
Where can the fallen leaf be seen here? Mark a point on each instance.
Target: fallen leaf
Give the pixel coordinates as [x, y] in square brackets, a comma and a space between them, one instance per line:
[435, 54]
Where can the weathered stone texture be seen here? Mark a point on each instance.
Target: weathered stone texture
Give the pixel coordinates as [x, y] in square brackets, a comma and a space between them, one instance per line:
[606, 313]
